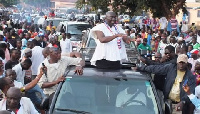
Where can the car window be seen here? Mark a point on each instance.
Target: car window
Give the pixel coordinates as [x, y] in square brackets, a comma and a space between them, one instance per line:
[77, 28]
[98, 95]
[91, 43]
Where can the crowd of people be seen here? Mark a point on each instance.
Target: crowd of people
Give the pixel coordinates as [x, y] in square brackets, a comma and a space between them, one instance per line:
[33, 60]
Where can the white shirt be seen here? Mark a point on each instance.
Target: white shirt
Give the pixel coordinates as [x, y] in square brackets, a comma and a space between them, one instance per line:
[18, 84]
[36, 58]
[26, 107]
[163, 23]
[161, 48]
[66, 45]
[123, 97]
[56, 70]
[20, 73]
[109, 50]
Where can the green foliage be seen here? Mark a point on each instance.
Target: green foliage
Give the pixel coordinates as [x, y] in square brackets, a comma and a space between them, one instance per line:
[8, 3]
[165, 8]
[96, 4]
[158, 8]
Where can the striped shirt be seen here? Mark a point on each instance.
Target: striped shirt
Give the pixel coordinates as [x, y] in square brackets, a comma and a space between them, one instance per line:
[174, 23]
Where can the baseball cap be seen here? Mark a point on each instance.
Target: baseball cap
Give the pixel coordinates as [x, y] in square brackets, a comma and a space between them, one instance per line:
[182, 58]
[195, 51]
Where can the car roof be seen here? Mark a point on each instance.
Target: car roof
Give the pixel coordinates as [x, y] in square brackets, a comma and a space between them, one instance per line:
[74, 22]
[122, 73]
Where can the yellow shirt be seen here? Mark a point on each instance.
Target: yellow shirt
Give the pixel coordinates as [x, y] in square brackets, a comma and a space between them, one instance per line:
[174, 94]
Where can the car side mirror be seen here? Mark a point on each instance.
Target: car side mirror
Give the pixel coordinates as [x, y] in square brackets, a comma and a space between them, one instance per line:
[45, 103]
[168, 107]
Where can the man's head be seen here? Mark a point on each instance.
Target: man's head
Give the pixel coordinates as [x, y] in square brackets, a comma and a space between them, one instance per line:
[5, 84]
[27, 53]
[145, 41]
[190, 48]
[172, 39]
[19, 44]
[194, 40]
[55, 53]
[63, 35]
[11, 74]
[182, 62]
[170, 52]
[68, 35]
[110, 18]
[30, 44]
[13, 97]
[180, 40]
[26, 64]
[46, 52]
[158, 56]
[14, 53]
[28, 35]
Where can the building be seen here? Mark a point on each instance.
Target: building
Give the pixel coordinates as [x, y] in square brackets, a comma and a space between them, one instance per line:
[193, 8]
[63, 3]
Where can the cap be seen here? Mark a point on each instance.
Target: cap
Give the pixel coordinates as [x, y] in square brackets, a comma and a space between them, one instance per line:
[182, 58]
[27, 50]
[195, 51]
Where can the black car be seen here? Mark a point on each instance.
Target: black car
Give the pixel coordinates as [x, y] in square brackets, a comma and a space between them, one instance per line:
[105, 91]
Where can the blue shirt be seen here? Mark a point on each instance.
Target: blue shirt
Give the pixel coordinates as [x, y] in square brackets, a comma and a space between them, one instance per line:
[149, 39]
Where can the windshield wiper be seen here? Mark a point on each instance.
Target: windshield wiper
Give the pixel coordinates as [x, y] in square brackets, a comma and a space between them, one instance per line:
[75, 111]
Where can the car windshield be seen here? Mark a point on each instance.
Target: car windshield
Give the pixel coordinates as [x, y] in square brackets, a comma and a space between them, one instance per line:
[77, 28]
[97, 95]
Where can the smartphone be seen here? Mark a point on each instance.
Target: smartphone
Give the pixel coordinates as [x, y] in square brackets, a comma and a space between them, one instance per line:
[185, 82]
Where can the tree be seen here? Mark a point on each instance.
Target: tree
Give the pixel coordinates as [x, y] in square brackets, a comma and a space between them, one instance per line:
[158, 8]
[95, 4]
[166, 8]
[8, 3]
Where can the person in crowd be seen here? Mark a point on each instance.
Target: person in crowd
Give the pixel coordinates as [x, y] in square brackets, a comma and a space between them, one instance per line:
[41, 40]
[20, 69]
[162, 44]
[5, 84]
[12, 75]
[54, 73]
[193, 58]
[189, 49]
[153, 41]
[157, 41]
[15, 103]
[144, 46]
[172, 89]
[65, 44]
[36, 58]
[13, 60]
[110, 50]
[194, 43]
[19, 44]
[173, 42]
[149, 37]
